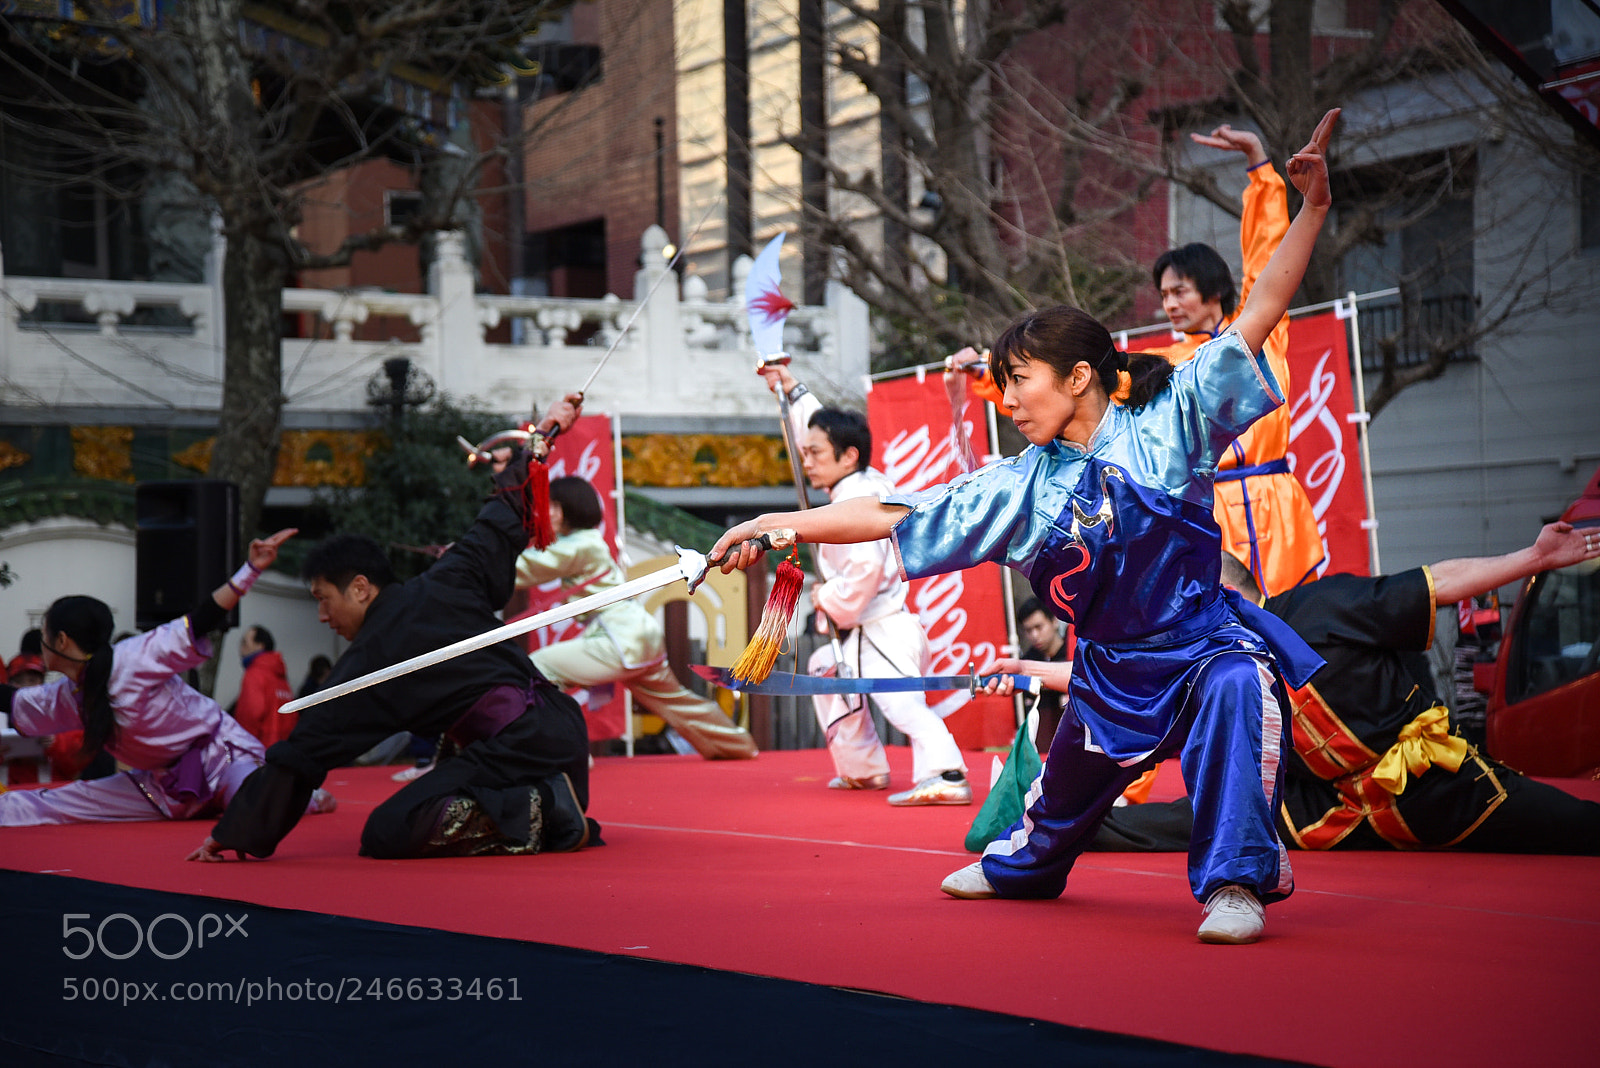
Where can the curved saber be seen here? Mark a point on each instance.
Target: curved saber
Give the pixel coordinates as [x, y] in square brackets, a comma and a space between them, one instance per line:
[691, 567]
[784, 682]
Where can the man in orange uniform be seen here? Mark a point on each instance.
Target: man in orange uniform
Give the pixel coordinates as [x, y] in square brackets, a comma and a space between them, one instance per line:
[1265, 516]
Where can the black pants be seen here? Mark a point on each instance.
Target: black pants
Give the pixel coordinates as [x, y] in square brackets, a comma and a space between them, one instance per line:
[549, 739]
[1533, 818]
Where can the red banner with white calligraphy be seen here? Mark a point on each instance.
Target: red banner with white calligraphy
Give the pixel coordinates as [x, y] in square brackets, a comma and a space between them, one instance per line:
[1324, 451]
[1324, 447]
[916, 442]
[588, 451]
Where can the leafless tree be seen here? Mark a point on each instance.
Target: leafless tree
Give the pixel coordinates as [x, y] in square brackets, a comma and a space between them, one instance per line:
[1020, 136]
[234, 109]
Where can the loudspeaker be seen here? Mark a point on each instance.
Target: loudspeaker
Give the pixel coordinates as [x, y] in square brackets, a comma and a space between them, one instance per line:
[186, 544]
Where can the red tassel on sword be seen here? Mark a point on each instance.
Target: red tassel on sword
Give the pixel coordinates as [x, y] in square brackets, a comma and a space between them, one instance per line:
[755, 663]
[536, 496]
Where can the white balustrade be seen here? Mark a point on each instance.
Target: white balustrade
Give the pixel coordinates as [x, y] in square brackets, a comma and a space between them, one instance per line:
[684, 354]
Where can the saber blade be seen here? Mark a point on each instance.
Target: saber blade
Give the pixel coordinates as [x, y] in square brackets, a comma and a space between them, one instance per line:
[691, 566]
[784, 682]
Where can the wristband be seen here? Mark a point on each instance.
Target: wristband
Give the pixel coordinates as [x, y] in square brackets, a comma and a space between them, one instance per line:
[1253, 166]
[243, 579]
[797, 392]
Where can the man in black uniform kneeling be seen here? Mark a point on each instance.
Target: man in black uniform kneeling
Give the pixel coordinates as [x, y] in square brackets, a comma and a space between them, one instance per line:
[516, 779]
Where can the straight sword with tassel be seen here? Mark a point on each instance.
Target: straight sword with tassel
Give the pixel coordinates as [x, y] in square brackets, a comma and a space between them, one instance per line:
[691, 568]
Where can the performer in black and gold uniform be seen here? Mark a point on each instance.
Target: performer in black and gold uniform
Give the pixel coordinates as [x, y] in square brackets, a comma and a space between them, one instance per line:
[1375, 762]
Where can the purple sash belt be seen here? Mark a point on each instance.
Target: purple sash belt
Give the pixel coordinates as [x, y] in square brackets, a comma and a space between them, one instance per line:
[489, 715]
[184, 780]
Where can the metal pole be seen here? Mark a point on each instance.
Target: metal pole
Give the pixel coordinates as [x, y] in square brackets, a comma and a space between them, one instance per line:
[1361, 417]
[622, 554]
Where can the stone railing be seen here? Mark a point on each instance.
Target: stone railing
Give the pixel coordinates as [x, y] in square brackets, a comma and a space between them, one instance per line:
[90, 343]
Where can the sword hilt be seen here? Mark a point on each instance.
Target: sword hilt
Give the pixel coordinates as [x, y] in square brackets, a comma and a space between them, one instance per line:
[1029, 684]
[772, 541]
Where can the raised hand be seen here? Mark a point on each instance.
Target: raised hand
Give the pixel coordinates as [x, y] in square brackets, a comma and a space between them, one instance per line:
[1228, 139]
[1561, 544]
[1308, 168]
[263, 551]
[779, 378]
[562, 414]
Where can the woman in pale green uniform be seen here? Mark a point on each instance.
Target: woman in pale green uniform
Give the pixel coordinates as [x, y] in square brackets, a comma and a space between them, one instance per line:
[620, 643]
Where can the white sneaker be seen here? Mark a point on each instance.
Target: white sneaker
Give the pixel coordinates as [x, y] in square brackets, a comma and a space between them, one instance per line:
[969, 883]
[935, 790]
[408, 774]
[871, 782]
[1233, 917]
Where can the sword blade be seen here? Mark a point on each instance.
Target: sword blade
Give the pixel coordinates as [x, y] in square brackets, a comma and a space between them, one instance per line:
[690, 566]
[785, 682]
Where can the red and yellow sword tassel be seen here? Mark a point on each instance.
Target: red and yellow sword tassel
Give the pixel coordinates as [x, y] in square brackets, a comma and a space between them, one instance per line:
[758, 658]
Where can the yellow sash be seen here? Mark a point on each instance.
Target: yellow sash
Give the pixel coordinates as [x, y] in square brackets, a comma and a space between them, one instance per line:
[1424, 742]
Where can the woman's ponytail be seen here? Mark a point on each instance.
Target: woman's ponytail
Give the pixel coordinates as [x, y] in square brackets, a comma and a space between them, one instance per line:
[88, 622]
[1148, 374]
[1062, 336]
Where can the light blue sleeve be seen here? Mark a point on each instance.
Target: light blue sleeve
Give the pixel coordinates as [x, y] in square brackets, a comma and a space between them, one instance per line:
[988, 515]
[1218, 394]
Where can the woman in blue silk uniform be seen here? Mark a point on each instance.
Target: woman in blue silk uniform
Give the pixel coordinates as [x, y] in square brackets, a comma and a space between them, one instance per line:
[1109, 516]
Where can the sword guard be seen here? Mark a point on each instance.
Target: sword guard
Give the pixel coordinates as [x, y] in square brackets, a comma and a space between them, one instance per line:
[777, 359]
[693, 566]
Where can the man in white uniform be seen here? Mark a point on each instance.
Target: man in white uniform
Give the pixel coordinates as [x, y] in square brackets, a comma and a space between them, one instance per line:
[863, 594]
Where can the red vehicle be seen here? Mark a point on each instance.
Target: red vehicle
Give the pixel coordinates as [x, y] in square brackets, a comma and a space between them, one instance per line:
[1543, 715]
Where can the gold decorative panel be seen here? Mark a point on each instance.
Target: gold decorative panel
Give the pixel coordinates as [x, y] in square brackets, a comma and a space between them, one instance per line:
[103, 452]
[305, 457]
[737, 460]
[11, 456]
[324, 457]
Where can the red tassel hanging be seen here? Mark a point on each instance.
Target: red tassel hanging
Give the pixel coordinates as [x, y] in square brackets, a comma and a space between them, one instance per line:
[755, 663]
[536, 498]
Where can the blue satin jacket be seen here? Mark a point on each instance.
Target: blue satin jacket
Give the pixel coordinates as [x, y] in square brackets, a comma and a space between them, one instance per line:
[1118, 539]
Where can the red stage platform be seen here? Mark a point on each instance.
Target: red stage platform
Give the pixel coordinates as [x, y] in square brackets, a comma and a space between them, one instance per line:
[753, 867]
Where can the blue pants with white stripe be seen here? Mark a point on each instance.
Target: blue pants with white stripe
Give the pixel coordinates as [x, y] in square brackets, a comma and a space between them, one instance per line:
[1233, 739]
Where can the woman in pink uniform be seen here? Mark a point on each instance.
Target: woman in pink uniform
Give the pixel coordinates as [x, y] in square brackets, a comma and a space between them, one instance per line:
[183, 756]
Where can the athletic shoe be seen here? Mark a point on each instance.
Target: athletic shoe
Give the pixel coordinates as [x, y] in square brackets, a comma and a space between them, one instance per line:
[871, 782]
[969, 883]
[1233, 917]
[408, 774]
[936, 790]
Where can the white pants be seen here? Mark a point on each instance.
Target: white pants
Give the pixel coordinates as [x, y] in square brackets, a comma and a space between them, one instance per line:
[894, 646]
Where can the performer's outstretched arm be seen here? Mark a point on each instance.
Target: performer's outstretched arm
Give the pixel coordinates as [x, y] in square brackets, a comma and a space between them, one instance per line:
[841, 523]
[1558, 545]
[1270, 297]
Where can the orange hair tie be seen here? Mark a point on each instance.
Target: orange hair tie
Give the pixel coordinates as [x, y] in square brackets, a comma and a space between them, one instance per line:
[1124, 387]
